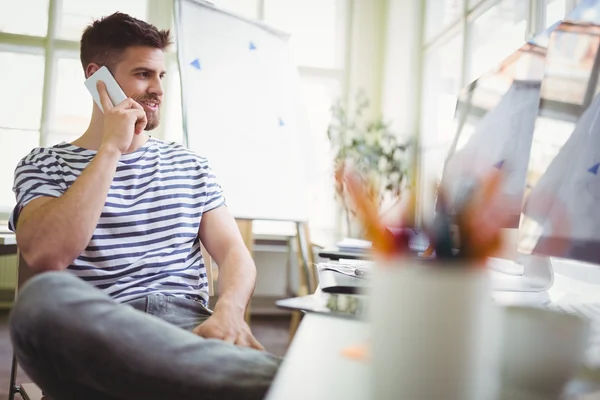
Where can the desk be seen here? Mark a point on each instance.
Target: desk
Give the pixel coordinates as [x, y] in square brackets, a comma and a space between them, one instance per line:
[8, 244]
[314, 369]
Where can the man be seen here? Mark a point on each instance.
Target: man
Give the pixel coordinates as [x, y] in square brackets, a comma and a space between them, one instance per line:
[125, 214]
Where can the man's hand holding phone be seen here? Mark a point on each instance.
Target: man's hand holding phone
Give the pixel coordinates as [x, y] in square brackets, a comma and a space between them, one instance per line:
[122, 121]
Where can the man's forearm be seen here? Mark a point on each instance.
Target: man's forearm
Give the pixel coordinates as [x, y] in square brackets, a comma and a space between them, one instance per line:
[237, 279]
[57, 232]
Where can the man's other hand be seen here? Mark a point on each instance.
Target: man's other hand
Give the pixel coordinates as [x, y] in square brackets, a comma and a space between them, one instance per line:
[229, 327]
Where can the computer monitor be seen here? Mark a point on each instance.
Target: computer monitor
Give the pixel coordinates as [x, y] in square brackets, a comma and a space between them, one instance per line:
[494, 119]
[502, 121]
[534, 118]
[561, 217]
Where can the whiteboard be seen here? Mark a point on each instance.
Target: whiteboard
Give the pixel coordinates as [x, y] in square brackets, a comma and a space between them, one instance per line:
[243, 110]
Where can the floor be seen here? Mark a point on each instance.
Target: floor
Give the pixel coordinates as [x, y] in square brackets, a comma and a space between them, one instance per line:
[271, 331]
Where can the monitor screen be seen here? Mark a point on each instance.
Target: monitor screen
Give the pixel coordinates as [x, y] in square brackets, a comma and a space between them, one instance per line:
[560, 216]
[495, 118]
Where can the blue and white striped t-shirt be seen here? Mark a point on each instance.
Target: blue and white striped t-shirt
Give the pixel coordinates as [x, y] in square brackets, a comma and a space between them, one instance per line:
[146, 240]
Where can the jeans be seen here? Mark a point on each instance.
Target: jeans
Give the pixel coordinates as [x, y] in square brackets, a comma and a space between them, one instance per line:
[75, 342]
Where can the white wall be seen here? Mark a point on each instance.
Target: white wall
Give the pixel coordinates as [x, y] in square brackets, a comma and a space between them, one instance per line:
[366, 52]
[401, 65]
[276, 269]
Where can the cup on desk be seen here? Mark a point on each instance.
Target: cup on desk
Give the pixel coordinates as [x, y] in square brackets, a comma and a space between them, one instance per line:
[435, 332]
[541, 351]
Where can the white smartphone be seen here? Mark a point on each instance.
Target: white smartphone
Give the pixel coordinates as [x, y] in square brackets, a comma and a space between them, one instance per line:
[115, 92]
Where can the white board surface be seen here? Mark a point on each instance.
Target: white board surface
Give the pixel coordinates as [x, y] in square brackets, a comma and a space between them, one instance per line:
[243, 111]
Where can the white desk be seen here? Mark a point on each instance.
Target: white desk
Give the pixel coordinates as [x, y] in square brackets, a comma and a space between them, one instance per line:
[314, 368]
[8, 244]
[8, 239]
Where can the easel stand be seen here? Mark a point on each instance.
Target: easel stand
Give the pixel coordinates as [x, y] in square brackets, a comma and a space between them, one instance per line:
[307, 271]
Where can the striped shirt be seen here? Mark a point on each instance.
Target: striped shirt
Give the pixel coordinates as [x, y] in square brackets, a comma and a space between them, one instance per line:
[146, 240]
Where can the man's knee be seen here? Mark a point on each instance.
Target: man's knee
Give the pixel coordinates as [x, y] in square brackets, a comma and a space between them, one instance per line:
[40, 304]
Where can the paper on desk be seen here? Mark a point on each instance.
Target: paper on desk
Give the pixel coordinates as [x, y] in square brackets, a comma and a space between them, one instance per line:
[349, 270]
[356, 263]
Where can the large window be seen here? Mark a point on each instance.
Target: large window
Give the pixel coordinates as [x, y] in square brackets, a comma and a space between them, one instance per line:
[49, 103]
[75, 15]
[40, 68]
[464, 39]
[25, 17]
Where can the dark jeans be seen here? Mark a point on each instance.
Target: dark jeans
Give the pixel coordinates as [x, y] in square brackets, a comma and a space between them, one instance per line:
[77, 343]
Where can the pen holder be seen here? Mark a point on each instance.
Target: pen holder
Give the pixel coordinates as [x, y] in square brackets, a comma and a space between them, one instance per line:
[435, 332]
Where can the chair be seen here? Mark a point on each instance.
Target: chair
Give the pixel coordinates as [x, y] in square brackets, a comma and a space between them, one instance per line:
[28, 391]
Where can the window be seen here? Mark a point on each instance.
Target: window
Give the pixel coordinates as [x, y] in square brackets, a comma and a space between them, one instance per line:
[72, 104]
[21, 80]
[495, 34]
[319, 94]
[27, 76]
[441, 14]
[440, 89]
[75, 15]
[314, 27]
[21, 75]
[25, 17]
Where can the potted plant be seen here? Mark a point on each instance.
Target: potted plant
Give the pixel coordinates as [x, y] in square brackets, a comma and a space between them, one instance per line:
[370, 147]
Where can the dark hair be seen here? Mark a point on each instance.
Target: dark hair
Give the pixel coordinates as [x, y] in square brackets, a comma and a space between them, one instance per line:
[104, 41]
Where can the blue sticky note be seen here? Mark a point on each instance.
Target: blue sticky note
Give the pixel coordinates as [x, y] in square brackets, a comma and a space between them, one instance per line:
[252, 46]
[499, 164]
[196, 64]
[281, 123]
[594, 169]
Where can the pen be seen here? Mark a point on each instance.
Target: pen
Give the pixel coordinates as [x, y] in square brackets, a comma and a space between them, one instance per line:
[442, 235]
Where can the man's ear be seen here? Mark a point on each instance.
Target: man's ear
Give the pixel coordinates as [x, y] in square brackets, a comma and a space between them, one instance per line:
[91, 69]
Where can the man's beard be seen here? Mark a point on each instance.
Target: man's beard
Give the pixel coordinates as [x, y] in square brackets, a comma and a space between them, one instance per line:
[153, 118]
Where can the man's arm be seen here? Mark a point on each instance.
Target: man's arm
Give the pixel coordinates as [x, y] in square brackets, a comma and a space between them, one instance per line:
[52, 232]
[237, 273]
[237, 277]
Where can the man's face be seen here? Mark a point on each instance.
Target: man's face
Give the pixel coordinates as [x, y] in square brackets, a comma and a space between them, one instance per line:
[139, 73]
